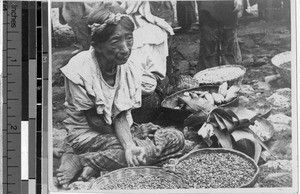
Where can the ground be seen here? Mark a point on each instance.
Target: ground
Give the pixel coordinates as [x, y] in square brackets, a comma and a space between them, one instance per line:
[259, 41]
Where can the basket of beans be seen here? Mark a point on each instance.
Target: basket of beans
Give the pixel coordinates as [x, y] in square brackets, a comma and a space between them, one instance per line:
[282, 63]
[217, 168]
[178, 107]
[144, 177]
[233, 74]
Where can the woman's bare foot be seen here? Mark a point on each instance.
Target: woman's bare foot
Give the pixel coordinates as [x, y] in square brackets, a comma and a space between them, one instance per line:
[87, 173]
[69, 168]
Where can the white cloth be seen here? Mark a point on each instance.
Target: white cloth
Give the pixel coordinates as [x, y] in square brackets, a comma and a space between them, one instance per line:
[92, 91]
[150, 43]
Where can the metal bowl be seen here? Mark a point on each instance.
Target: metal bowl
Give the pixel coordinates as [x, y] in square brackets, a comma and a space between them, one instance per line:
[280, 59]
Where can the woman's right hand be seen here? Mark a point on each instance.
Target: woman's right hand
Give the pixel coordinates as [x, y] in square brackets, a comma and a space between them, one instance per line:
[135, 155]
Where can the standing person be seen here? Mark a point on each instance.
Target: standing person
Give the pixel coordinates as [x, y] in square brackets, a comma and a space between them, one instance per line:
[186, 14]
[218, 33]
[150, 51]
[102, 88]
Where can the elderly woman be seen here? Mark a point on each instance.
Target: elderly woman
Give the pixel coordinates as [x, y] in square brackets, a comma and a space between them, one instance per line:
[102, 87]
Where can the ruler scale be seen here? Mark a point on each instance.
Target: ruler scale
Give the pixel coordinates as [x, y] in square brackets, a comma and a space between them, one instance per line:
[32, 100]
[12, 96]
[45, 68]
[25, 97]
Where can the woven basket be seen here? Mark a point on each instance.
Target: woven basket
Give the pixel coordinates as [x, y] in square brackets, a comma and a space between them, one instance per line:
[218, 75]
[170, 102]
[251, 183]
[131, 171]
[280, 59]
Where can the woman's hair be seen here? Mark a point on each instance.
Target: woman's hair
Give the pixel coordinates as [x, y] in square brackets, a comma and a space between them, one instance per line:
[100, 16]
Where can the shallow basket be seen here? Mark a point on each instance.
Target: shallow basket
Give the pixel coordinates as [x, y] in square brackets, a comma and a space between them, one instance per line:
[251, 183]
[218, 75]
[170, 102]
[131, 171]
[280, 59]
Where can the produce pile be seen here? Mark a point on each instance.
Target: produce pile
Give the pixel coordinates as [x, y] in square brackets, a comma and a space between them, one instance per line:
[216, 170]
[219, 74]
[140, 181]
[223, 96]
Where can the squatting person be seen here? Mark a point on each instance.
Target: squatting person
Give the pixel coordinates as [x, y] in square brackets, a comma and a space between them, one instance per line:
[102, 87]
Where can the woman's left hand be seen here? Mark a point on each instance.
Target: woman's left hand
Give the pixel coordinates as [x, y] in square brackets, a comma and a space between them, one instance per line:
[135, 156]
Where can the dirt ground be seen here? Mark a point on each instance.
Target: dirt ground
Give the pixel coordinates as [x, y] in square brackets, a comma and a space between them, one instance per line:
[259, 41]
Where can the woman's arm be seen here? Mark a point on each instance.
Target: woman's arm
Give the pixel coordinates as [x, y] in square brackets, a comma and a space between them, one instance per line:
[134, 155]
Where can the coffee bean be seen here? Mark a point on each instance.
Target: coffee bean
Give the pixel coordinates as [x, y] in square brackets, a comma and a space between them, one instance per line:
[216, 170]
[140, 181]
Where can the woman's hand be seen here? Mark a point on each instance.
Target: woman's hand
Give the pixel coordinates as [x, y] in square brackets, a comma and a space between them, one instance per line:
[135, 156]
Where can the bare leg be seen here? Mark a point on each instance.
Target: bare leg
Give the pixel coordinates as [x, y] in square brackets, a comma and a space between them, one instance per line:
[69, 168]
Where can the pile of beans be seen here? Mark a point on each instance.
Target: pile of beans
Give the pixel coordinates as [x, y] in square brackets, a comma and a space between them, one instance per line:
[219, 75]
[216, 170]
[140, 181]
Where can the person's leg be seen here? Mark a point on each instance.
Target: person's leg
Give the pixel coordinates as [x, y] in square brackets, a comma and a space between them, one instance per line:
[186, 14]
[230, 49]
[73, 162]
[70, 167]
[209, 51]
[105, 154]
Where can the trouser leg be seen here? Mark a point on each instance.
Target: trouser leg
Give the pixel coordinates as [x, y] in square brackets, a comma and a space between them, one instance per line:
[209, 51]
[230, 49]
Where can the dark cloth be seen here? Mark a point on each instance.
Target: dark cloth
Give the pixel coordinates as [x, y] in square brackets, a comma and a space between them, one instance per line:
[220, 11]
[186, 13]
[218, 34]
[151, 104]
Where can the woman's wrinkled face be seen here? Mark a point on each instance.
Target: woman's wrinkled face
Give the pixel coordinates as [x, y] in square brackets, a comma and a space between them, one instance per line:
[117, 48]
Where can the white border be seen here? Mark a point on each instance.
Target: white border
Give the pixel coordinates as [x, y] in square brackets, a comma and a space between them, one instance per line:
[295, 45]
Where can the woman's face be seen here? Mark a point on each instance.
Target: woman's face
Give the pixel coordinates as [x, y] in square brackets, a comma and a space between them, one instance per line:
[117, 48]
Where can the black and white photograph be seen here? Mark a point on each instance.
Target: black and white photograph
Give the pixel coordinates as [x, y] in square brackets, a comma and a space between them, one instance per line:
[172, 97]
